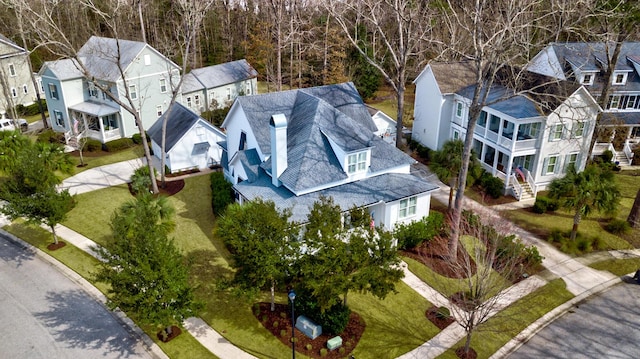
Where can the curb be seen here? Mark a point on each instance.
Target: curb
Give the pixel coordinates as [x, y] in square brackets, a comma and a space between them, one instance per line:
[530, 331]
[120, 316]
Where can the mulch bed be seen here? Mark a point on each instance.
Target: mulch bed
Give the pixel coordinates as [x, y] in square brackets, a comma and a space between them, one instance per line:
[167, 334]
[56, 246]
[439, 322]
[469, 355]
[282, 330]
[170, 187]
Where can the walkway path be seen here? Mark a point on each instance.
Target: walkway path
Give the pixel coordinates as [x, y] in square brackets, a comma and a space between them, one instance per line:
[581, 280]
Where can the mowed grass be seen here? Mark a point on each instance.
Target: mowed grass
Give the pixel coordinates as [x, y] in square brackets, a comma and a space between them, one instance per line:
[592, 226]
[183, 346]
[498, 330]
[618, 266]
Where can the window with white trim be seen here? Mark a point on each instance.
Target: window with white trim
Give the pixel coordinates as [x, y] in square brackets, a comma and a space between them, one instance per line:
[248, 88]
[550, 165]
[556, 132]
[587, 79]
[228, 93]
[570, 160]
[133, 92]
[619, 78]
[14, 92]
[407, 207]
[159, 110]
[578, 129]
[631, 101]
[25, 89]
[189, 103]
[59, 119]
[357, 162]
[12, 70]
[459, 109]
[614, 102]
[53, 91]
[196, 100]
[163, 85]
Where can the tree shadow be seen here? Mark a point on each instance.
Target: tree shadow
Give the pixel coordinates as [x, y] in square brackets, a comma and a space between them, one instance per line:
[14, 251]
[76, 320]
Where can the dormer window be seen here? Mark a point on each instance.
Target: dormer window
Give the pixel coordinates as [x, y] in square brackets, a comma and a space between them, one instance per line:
[619, 78]
[587, 79]
[357, 162]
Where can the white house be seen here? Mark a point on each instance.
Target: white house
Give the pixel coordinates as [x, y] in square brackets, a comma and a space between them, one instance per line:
[190, 143]
[15, 76]
[526, 137]
[121, 67]
[586, 64]
[385, 125]
[217, 86]
[294, 146]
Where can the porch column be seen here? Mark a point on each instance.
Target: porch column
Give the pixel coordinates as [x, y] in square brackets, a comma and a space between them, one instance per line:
[101, 129]
[508, 171]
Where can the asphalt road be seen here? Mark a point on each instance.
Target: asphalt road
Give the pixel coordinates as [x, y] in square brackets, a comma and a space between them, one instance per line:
[43, 314]
[604, 326]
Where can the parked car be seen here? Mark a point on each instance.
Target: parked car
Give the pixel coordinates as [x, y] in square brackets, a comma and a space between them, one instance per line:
[6, 124]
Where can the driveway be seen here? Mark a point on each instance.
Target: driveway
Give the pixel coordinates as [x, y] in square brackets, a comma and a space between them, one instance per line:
[46, 315]
[604, 326]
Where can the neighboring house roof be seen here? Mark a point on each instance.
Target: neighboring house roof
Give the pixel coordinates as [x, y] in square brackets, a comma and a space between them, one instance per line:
[181, 120]
[453, 76]
[525, 94]
[101, 56]
[98, 109]
[217, 75]
[592, 56]
[17, 50]
[621, 118]
[382, 188]
[315, 116]
[65, 69]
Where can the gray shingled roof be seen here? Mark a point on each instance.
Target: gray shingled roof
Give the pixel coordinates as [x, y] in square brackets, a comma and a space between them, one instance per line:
[18, 49]
[181, 119]
[101, 55]
[627, 118]
[315, 116]
[591, 56]
[387, 188]
[250, 160]
[218, 75]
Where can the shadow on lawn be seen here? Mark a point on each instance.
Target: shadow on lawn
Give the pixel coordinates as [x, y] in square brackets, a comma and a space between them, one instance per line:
[206, 269]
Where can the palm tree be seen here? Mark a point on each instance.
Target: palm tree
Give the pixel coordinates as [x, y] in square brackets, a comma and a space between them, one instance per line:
[447, 163]
[593, 189]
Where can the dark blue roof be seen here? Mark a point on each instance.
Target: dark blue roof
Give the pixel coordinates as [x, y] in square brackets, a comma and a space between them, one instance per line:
[181, 119]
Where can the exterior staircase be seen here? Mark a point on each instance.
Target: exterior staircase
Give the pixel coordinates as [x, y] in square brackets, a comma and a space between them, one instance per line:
[527, 191]
[521, 190]
[622, 159]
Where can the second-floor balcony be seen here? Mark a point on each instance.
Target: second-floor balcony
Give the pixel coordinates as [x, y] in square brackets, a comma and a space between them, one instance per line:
[526, 137]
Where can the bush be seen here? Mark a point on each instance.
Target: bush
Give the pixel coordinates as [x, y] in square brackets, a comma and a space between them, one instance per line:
[32, 109]
[493, 186]
[283, 332]
[140, 180]
[309, 347]
[51, 136]
[333, 320]
[93, 145]
[545, 204]
[136, 138]
[617, 226]
[323, 352]
[221, 193]
[411, 235]
[443, 313]
[119, 144]
[512, 247]
[607, 156]
[556, 236]
[217, 116]
[276, 324]
[636, 156]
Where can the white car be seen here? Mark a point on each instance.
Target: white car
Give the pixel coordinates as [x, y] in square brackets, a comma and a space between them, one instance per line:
[6, 124]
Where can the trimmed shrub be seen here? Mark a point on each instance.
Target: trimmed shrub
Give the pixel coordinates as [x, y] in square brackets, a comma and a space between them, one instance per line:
[276, 324]
[32, 109]
[283, 332]
[140, 180]
[411, 235]
[93, 145]
[51, 136]
[323, 352]
[136, 138]
[309, 347]
[283, 315]
[636, 156]
[221, 193]
[117, 145]
[618, 226]
[545, 204]
[607, 156]
[493, 186]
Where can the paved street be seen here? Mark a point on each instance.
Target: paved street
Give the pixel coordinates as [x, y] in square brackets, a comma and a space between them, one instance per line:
[46, 315]
[604, 326]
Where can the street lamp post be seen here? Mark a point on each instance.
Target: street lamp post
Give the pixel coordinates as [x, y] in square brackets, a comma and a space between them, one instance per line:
[292, 297]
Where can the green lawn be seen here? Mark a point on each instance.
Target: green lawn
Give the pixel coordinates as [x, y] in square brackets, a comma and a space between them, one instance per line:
[543, 224]
[618, 266]
[498, 330]
[93, 160]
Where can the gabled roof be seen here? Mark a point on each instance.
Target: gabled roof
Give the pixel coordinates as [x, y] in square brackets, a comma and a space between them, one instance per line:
[17, 49]
[218, 75]
[65, 69]
[101, 55]
[453, 76]
[181, 120]
[316, 116]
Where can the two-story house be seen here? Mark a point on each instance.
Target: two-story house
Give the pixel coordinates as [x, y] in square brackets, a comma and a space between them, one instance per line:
[586, 64]
[123, 70]
[526, 136]
[292, 147]
[16, 85]
[214, 87]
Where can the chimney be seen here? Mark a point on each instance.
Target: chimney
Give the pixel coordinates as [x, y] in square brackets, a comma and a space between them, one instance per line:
[278, 126]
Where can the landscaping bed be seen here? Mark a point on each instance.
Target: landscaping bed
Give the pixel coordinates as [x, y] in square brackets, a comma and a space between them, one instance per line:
[278, 322]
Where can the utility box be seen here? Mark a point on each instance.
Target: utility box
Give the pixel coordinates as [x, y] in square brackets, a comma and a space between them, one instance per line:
[334, 343]
[308, 328]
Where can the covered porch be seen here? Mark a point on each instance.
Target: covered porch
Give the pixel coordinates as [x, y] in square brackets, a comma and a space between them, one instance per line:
[620, 134]
[96, 120]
